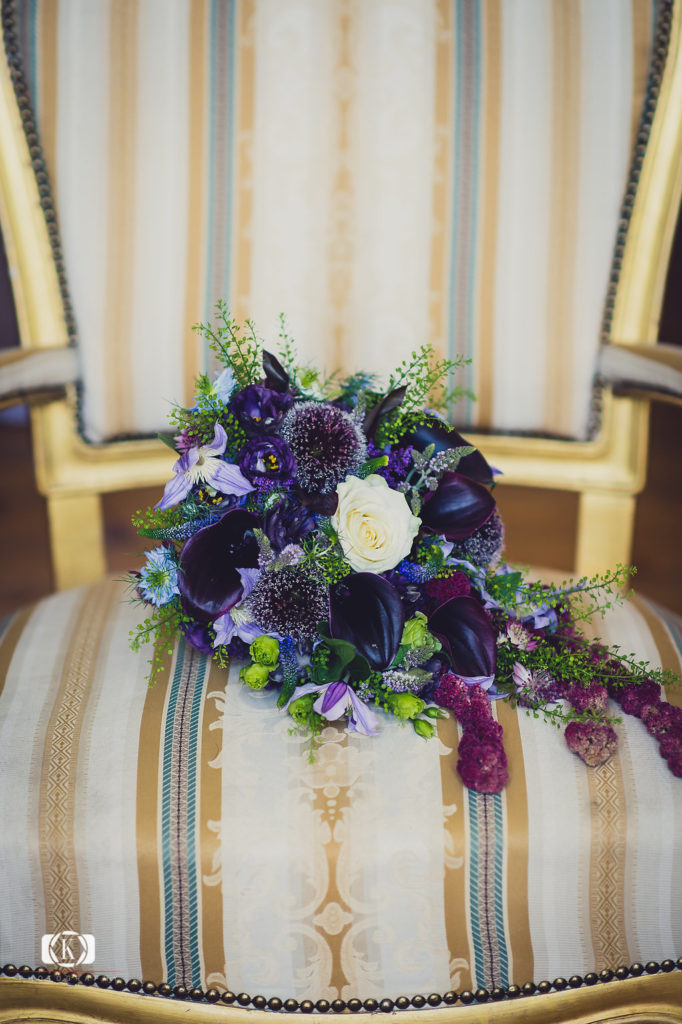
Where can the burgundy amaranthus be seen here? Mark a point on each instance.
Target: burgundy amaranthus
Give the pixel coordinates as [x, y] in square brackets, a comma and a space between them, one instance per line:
[482, 763]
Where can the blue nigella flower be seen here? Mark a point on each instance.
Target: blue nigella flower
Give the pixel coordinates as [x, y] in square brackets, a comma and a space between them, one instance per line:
[159, 577]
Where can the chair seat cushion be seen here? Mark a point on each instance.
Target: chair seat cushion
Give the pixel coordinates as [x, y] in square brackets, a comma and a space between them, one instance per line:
[186, 829]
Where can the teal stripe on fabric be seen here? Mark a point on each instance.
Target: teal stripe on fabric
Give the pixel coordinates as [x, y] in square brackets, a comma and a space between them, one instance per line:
[219, 215]
[192, 789]
[486, 889]
[466, 136]
[166, 787]
[496, 800]
[178, 819]
[474, 853]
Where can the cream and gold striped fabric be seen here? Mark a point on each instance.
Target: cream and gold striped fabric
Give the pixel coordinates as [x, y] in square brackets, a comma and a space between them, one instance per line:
[185, 829]
[387, 172]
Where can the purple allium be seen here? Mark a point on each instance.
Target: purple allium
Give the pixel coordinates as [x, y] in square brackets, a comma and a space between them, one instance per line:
[290, 602]
[662, 719]
[485, 545]
[259, 409]
[483, 767]
[634, 698]
[327, 444]
[594, 697]
[267, 458]
[593, 742]
[443, 588]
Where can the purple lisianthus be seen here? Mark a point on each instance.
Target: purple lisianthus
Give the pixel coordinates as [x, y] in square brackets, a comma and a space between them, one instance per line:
[260, 410]
[268, 458]
[287, 522]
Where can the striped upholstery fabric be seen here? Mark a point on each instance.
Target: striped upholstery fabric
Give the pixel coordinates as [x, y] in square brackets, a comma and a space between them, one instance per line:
[184, 828]
[388, 172]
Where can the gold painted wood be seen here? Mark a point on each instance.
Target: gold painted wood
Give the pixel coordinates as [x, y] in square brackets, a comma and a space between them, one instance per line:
[614, 463]
[606, 521]
[76, 539]
[654, 1000]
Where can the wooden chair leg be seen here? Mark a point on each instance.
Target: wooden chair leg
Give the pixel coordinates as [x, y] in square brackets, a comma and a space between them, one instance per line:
[605, 528]
[76, 538]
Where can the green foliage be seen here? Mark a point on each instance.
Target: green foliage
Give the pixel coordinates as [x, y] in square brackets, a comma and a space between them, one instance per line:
[162, 627]
[427, 379]
[244, 354]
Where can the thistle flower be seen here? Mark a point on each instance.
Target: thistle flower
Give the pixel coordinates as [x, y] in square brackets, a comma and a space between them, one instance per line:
[290, 602]
[327, 444]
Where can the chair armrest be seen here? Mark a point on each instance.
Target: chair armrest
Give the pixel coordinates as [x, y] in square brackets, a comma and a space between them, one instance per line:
[36, 375]
[652, 371]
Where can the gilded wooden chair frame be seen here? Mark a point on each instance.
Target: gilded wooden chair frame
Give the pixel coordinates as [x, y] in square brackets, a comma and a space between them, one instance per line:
[646, 1000]
[607, 472]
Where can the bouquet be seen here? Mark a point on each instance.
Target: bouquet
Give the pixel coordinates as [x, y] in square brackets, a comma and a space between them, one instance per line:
[341, 541]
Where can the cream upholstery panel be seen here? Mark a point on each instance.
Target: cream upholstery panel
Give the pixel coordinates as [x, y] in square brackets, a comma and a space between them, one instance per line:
[184, 827]
[387, 172]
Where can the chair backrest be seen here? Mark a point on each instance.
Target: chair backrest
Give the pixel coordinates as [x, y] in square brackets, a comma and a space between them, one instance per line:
[500, 179]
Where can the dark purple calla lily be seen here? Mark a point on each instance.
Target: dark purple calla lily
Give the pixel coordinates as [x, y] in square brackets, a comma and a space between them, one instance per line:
[436, 432]
[458, 507]
[276, 377]
[391, 401]
[366, 611]
[468, 636]
[209, 579]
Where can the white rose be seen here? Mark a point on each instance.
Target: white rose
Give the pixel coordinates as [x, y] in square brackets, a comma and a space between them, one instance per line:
[374, 523]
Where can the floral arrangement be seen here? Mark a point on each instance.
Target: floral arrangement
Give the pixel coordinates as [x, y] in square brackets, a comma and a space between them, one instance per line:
[344, 544]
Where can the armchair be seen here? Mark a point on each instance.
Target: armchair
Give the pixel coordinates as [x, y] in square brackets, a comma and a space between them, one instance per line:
[498, 178]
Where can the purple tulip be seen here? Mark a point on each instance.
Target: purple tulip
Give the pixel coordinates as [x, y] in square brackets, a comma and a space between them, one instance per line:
[267, 458]
[458, 507]
[211, 563]
[260, 410]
